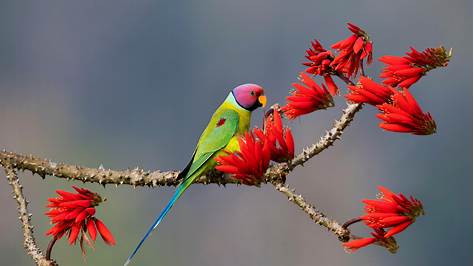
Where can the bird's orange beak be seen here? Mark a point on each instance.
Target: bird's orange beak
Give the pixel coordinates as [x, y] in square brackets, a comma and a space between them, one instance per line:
[262, 99]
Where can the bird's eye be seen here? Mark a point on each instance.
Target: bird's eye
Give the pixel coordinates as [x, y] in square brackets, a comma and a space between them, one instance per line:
[252, 93]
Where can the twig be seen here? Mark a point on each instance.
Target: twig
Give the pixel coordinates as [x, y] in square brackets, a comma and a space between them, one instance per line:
[341, 231]
[25, 219]
[50, 247]
[351, 222]
[331, 136]
[317, 216]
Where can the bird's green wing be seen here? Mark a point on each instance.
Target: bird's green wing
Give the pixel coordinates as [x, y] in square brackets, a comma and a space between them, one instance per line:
[217, 135]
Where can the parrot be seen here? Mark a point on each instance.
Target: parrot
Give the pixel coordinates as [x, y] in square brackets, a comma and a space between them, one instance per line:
[220, 137]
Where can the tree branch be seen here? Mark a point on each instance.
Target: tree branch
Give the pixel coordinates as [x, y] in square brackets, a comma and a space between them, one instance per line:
[329, 138]
[43, 167]
[343, 234]
[25, 219]
[276, 174]
[341, 231]
[140, 177]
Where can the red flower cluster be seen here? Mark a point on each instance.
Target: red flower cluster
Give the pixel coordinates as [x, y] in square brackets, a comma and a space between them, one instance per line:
[369, 91]
[279, 138]
[319, 59]
[405, 115]
[73, 214]
[405, 71]
[257, 148]
[307, 97]
[319, 63]
[352, 52]
[391, 211]
[250, 163]
[400, 111]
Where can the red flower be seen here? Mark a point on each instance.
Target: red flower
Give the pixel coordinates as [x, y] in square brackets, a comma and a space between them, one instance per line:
[319, 59]
[394, 211]
[280, 140]
[405, 71]
[368, 91]
[405, 115]
[352, 52]
[400, 71]
[307, 97]
[250, 163]
[319, 64]
[73, 214]
[378, 236]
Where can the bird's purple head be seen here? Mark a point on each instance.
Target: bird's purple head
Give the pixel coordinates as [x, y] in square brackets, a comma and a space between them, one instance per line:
[249, 96]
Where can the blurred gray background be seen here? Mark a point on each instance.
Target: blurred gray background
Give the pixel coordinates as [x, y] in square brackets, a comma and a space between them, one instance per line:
[133, 83]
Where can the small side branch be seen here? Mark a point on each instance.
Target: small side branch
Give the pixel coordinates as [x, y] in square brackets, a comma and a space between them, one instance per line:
[341, 231]
[343, 234]
[329, 138]
[25, 219]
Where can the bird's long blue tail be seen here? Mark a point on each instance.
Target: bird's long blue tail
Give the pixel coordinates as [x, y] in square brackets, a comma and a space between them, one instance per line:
[179, 191]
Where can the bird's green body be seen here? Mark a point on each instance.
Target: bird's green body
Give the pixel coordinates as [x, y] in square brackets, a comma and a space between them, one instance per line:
[227, 123]
[220, 137]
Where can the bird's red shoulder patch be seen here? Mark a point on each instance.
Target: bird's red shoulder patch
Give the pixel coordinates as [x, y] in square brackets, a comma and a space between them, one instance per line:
[220, 122]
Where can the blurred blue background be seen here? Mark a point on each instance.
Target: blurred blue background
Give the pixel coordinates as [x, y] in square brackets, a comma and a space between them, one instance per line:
[133, 83]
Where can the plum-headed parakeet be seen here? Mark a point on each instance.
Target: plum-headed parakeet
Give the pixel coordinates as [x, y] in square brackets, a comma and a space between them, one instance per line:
[228, 122]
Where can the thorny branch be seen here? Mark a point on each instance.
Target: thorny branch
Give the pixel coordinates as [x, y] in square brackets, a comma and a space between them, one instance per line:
[327, 140]
[140, 177]
[25, 218]
[276, 175]
[317, 216]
